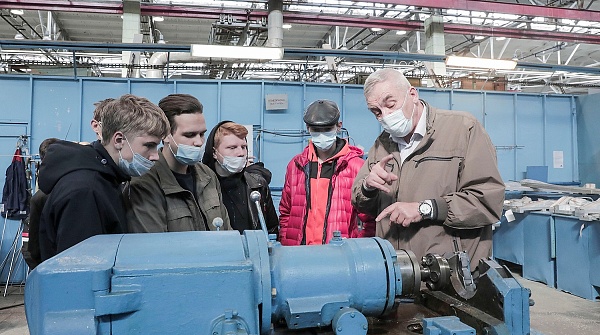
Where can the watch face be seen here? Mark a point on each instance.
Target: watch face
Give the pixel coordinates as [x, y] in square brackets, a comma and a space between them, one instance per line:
[425, 208]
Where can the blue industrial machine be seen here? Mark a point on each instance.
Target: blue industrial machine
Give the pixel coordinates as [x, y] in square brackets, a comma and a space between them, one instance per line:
[224, 283]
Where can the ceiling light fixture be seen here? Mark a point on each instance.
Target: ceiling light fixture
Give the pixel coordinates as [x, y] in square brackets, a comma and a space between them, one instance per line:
[500, 38]
[236, 52]
[376, 29]
[480, 63]
[158, 18]
[400, 32]
[286, 26]
[17, 11]
[479, 37]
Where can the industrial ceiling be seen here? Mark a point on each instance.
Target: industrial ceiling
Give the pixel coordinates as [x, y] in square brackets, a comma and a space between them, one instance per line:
[554, 41]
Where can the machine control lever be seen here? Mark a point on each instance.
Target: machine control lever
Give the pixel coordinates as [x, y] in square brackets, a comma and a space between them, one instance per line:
[255, 197]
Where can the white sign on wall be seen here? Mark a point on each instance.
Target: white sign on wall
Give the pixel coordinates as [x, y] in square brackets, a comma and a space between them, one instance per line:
[276, 101]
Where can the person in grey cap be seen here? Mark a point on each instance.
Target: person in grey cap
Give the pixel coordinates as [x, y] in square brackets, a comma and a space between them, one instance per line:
[316, 195]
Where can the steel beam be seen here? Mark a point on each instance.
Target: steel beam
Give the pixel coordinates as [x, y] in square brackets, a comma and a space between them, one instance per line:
[366, 22]
[64, 6]
[347, 20]
[499, 7]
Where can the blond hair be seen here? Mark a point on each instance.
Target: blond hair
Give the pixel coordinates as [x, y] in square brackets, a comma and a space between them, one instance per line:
[134, 116]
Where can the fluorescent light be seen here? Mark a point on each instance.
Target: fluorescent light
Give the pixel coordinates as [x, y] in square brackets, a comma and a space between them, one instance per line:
[286, 26]
[158, 18]
[481, 63]
[400, 32]
[479, 37]
[376, 29]
[500, 38]
[17, 11]
[236, 52]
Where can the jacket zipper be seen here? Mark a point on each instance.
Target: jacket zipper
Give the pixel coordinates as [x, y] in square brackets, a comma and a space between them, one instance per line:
[199, 210]
[443, 159]
[329, 195]
[306, 171]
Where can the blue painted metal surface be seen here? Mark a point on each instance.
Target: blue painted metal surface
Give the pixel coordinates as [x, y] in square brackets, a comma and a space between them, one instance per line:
[538, 261]
[122, 284]
[508, 240]
[575, 249]
[446, 325]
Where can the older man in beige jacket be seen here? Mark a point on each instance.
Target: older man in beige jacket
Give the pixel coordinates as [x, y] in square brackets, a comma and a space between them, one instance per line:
[431, 177]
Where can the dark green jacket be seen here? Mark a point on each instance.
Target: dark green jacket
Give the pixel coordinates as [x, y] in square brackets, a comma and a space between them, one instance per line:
[156, 203]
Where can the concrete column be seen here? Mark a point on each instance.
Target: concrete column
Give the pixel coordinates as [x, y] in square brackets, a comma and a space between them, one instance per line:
[435, 44]
[131, 34]
[275, 24]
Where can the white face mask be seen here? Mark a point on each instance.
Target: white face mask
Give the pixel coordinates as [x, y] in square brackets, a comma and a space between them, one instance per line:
[325, 140]
[396, 124]
[232, 164]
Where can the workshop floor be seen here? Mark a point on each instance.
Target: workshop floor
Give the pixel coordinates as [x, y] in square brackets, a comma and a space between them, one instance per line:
[554, 312]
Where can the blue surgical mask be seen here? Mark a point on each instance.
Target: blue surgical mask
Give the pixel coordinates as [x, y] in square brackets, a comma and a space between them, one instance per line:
[138, 166]
[396, 124]
[325, 140]
[187, 154]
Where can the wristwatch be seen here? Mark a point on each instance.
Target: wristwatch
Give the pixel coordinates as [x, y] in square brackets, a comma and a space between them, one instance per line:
[426, 209]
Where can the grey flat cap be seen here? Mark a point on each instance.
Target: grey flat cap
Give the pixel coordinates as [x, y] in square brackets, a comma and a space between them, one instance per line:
[322, 113]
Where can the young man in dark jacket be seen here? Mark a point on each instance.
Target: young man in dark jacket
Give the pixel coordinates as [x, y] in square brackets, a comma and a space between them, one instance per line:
[32, 255]
[179, 193]
[83, 181]
[227, 154]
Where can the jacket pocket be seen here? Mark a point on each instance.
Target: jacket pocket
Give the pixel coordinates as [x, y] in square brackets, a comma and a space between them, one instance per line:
[439, 172]
[180, 219]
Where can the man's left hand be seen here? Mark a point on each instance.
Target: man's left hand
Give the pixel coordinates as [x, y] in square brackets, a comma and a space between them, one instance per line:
[403, 213]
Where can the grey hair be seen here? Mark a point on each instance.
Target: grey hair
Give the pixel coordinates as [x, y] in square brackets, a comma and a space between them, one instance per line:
[383, 75]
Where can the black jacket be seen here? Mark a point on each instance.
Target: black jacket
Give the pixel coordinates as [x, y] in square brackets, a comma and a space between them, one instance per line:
[15, 195]
[84, 196]
[33, 257]
[257, 178]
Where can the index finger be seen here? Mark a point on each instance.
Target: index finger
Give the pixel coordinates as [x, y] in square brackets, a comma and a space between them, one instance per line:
[383, 162]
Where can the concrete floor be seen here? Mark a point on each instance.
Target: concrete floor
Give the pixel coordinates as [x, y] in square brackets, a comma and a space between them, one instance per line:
[554, 312]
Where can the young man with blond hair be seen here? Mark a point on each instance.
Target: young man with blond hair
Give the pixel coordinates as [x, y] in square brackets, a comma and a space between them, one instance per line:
[83, 182]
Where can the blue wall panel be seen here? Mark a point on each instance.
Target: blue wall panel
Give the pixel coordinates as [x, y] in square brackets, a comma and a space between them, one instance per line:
[241, 102]
[560, 137]
[153, 90]
[588, 119]
[56, 110]
[500, 124]
[468, 101]
[526, 128]
[530, 133]
[278, 150]
[360, 122]
[93, 92]
[436, 98]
